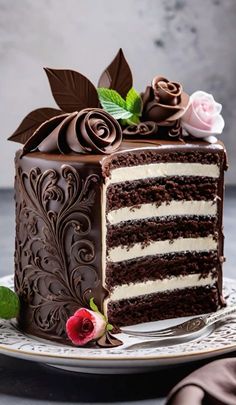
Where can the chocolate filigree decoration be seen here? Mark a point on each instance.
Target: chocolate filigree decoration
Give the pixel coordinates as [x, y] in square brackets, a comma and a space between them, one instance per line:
[55, 253]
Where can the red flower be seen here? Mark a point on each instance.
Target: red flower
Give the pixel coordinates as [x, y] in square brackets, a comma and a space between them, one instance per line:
[84, 326]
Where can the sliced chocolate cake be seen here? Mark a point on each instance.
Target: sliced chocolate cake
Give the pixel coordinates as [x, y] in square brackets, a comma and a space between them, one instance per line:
[164, 242]
[118, 206]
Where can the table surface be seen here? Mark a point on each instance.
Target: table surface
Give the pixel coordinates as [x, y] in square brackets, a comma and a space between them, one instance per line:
[28, 383]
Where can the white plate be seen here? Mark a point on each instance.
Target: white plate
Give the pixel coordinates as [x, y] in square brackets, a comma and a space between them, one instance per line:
[15, 343]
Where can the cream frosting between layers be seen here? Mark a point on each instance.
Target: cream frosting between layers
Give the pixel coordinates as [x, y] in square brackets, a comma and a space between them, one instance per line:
[172, 208]
[139, 172]
[199, 244]
[126, 291]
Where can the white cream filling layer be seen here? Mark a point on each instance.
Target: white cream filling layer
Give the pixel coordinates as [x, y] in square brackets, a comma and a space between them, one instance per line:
[157, 286]
[119, 253]
[172, 208]
[122, 174]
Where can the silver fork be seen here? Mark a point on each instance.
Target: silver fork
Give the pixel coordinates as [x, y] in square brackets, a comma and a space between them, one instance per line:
[186, 328]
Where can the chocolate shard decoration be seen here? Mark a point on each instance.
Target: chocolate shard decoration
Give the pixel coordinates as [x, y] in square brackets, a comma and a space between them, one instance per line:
[71, 90]
[117, 75]
[31, 122]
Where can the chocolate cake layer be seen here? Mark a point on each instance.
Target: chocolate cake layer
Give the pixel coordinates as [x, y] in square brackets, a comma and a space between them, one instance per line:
[177, 303]
[160, 267]
[150, 156]
[131, 232]
[158, 190]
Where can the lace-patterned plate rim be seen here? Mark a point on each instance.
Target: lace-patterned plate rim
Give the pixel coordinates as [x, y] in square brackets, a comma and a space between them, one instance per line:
[15, 343]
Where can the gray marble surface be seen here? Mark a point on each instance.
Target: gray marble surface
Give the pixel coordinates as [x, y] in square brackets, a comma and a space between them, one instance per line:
[26, 383]
[188, 41]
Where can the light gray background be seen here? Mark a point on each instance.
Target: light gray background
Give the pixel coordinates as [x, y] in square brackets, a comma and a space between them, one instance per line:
[192, 41]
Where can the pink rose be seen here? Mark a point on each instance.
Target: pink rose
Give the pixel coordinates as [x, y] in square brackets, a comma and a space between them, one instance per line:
[202, 118]
[84, 326]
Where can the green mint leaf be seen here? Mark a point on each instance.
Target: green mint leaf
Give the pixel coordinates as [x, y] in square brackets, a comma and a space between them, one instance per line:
[109, 327]
[9, 303]
[133, 120]
[113, 103]
[134, 102]
[112, 96]
[93, 306]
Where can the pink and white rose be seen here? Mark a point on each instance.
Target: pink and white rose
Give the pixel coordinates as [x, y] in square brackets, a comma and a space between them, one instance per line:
[84, 326]
[202, 118]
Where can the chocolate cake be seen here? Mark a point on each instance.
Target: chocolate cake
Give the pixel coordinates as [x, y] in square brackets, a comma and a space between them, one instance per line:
[122, 209]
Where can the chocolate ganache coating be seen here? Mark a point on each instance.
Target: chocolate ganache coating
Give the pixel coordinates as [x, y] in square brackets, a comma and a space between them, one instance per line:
[58, 243]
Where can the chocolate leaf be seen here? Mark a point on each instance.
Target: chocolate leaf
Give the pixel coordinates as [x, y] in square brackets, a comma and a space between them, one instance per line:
[71, 90]
[31, 122]
[117, 75]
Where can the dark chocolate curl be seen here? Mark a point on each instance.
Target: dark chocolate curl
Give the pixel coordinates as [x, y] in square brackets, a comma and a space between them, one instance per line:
[176, 130]
[144, 129]
[108, 340]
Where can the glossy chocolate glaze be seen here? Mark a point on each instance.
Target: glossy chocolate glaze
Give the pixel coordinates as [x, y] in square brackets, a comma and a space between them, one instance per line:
[58, 256]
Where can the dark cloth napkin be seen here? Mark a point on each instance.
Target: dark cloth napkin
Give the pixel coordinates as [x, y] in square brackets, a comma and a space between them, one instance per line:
[213, 384]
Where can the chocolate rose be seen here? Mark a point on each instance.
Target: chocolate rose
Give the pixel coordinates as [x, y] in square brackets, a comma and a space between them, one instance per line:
[164, 101]
[143, 129]
[91, 130]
